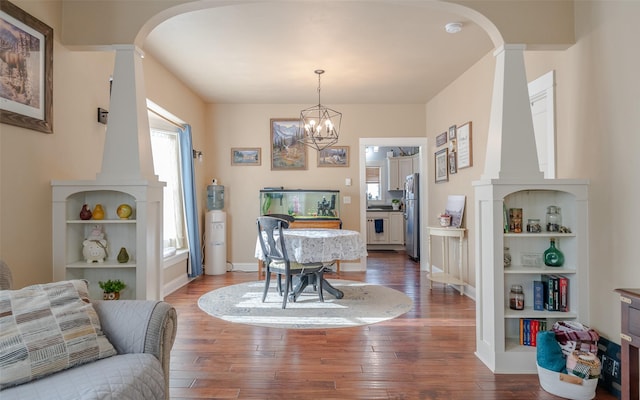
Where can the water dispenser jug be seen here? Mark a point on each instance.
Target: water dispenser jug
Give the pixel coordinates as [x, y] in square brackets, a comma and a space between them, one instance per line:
[215, 197]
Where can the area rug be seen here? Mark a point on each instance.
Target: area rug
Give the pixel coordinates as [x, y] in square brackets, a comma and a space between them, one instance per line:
[362, 304]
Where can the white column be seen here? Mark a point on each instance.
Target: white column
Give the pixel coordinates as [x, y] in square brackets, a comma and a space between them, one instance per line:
[511, 146]
[127, 149]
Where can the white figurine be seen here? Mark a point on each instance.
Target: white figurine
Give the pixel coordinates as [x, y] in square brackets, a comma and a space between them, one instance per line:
[95, 246]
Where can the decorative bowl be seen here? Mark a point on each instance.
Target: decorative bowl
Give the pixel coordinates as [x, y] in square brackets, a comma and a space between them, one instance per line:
[124, 211]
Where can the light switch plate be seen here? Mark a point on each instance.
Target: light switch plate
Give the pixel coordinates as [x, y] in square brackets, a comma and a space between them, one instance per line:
[346, 199]
[347, 182]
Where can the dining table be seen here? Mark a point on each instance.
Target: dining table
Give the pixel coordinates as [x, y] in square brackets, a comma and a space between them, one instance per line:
[320, 245]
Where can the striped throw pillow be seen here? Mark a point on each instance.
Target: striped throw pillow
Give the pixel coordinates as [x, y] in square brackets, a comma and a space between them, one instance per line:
[48, 328]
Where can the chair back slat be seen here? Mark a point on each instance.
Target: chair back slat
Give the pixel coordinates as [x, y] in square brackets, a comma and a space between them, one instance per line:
[272, 238]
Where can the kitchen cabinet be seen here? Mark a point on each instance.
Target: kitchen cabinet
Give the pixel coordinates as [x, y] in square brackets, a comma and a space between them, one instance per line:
[498, 330]
[374, 237]
[397, 170]
[396, 228]
[392, 228]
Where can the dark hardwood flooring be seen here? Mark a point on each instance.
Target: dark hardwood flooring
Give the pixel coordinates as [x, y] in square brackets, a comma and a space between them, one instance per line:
[427, 353]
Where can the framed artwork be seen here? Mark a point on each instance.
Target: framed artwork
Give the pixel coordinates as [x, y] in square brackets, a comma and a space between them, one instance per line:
[246, 156]
[26, 61]
[452, 132]
[287, 152]
[335, 156]
[441, 139]
[441, 170]
[452, 162]
[465, 150]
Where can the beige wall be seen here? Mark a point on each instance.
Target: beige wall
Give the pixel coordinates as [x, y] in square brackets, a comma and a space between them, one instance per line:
[466, 99]
[248, 125]
[596, 109]
[29, 160]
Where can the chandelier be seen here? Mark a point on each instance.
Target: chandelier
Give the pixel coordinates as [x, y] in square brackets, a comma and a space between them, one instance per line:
[319, 125]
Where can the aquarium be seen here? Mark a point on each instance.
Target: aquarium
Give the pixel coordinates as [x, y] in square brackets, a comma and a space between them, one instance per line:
[300, 203]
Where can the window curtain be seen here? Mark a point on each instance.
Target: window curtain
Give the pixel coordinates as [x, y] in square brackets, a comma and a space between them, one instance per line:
[190, 202]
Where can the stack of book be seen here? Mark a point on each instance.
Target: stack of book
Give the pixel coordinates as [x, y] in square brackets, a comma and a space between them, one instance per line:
[551, 293]
[529, 328]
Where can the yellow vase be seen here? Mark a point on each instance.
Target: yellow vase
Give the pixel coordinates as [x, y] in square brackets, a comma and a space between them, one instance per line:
[98, 212]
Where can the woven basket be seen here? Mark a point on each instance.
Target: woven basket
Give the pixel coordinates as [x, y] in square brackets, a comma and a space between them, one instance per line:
[567, 386]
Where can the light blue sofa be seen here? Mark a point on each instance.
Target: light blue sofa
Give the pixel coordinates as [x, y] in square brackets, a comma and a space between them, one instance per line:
[142, 332]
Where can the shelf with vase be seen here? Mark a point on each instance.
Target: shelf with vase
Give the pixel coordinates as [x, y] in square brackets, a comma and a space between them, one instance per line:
[498, 344]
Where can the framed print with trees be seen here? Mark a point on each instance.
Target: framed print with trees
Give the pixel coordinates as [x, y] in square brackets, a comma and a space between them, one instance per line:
[26, 62]
[287, 152]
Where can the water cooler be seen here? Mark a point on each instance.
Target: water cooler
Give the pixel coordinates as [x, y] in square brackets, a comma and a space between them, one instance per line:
[215, 250]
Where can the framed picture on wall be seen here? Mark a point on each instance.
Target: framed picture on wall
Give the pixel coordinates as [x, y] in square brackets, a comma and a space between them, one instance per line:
[287, 153]
[335, 156]
[441, 170]
[452, 162]
[452, 132]
[465, 150]
[246, 156]
[441, 139]
[26, 95]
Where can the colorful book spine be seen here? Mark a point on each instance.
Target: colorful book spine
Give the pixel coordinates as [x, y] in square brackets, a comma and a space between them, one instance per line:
[556, 293]
[563, 285]
[547, 282]
[538, 296]
[529, 329]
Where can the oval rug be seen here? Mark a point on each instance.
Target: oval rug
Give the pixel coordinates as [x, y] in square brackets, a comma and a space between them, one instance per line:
[363, 304]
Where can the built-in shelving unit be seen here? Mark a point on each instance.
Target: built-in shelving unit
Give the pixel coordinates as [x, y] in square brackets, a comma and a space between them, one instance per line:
[498, 328]
[140, 235]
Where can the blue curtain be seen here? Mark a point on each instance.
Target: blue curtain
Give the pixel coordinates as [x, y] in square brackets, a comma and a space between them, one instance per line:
[190, 202]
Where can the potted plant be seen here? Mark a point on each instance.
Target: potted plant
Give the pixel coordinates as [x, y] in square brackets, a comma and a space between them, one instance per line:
[111, 289]
[395, 203]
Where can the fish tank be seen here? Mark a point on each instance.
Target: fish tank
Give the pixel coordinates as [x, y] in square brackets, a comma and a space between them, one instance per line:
[301, 204]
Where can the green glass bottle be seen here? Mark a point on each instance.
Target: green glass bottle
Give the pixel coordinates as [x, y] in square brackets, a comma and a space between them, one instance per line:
[553, 257]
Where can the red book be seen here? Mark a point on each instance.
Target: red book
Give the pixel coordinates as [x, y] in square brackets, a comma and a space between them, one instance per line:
[535, 326]
[563, 288]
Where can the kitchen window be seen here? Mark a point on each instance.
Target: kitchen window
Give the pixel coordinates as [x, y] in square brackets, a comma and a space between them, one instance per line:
[373, 183]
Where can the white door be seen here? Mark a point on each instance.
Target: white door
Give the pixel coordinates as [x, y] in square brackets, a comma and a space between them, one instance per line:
[542, 99]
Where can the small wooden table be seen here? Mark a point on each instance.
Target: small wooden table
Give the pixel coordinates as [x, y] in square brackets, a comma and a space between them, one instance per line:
[630, 343]
[446, 277]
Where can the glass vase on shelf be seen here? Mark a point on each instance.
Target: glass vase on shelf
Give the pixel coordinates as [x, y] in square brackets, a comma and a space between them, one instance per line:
[554, 219]
[507, 257]
[553, 257]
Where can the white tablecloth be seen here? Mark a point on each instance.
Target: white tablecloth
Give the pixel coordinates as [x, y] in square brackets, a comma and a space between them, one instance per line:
[321, 245]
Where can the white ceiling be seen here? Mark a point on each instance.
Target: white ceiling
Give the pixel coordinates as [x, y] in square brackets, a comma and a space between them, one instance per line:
[266, 53]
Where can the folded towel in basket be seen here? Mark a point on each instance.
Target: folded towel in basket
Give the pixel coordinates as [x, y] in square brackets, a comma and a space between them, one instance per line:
[379, 225]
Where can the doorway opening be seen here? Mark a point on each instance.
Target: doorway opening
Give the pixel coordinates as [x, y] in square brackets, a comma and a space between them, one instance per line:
[419, 142]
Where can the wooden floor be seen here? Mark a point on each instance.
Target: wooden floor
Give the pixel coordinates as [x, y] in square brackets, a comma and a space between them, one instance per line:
[426, 353]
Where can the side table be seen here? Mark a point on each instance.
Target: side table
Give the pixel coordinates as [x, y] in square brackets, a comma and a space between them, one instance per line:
[446, 277]
[630, 343]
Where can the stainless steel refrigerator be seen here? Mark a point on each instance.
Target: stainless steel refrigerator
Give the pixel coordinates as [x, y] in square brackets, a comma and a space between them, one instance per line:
[412, 215]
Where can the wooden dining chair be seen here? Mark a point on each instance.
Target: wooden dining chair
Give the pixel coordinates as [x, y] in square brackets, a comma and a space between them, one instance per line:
[277, 261]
